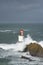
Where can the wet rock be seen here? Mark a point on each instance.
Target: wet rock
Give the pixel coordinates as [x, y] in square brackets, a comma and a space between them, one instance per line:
[34, 49]
[26, 58]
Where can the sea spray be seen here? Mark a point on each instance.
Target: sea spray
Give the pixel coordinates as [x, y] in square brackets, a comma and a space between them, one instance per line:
[41, 43]
[19, 46]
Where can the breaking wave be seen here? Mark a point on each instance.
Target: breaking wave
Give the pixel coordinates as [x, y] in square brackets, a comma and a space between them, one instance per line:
[5, 30]
[8, 31]
[19, 46]
[10, 51]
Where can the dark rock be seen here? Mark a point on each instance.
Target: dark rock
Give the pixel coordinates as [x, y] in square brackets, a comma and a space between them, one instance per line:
[26, 58]
[34, 49]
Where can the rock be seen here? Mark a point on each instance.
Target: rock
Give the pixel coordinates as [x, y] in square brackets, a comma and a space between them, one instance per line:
[26, 58]
[34, 49]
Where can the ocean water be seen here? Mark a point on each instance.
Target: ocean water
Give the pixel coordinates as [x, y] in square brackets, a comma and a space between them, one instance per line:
[10, 47]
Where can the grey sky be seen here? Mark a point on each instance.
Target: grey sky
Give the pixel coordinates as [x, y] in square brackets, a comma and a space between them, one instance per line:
[21, 11]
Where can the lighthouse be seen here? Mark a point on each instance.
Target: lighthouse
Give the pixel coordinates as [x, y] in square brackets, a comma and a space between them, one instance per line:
[21, 36]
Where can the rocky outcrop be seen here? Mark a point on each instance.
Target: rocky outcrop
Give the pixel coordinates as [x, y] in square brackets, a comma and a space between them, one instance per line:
[34, 49]
[26, 58]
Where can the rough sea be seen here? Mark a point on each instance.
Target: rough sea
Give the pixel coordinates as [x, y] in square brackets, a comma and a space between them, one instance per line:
[11, 49]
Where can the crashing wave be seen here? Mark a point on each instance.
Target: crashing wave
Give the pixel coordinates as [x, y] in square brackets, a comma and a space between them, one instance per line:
[19, 46]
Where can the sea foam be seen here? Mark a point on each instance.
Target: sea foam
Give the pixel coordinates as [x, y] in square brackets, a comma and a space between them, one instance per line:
[5, 30]
[19, 46]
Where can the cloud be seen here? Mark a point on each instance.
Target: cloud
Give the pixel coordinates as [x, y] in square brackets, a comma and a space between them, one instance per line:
[21, 10]
[28, 6]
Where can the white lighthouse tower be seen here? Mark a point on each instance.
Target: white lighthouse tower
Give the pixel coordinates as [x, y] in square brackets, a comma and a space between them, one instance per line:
[21, 36]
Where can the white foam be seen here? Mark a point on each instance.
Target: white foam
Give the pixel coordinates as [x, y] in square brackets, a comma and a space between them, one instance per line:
[28, 39]
[41, 43]
[5, 30]
[7, 46]
[19, 46]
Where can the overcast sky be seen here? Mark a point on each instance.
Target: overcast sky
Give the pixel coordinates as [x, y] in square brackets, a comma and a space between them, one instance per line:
[25, 11]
